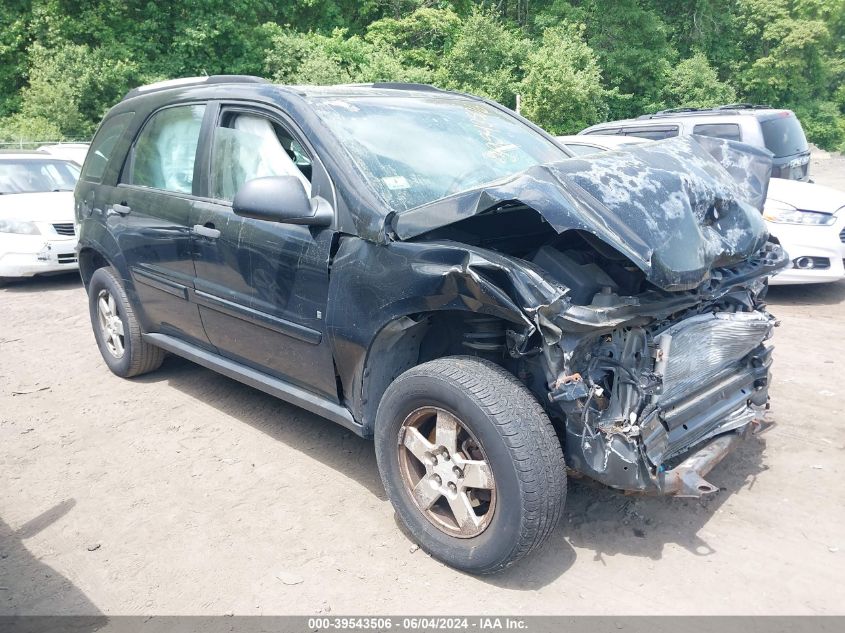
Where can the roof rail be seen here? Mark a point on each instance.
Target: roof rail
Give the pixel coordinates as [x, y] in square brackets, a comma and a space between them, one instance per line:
[398, 85]
[743, 106]
[669, 111]
[194, 81]
[674, 110]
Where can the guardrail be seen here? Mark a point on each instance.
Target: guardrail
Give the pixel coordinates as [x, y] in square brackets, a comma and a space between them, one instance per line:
[37, 144]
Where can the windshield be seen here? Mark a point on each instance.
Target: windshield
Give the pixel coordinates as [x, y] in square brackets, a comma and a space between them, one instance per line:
[35, 175]
[784, 136]
[415, 150]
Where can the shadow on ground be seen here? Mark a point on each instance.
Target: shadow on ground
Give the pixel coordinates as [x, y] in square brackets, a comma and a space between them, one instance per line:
[46, 283]
[609, 523]
[28, 587]
[303, 431]
[595, 518]
[807, 294]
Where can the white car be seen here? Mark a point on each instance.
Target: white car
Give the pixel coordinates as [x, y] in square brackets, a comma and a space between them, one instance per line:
[37, 232]
[69, 151]
[807, 219]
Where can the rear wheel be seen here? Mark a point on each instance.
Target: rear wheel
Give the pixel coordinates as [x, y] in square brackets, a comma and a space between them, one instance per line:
[471, 463]
[116, 327]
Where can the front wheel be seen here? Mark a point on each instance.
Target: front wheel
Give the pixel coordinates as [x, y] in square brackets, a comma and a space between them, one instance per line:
[471, 463]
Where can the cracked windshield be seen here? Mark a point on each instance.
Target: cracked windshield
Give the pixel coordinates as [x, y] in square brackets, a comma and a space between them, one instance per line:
[417, 150]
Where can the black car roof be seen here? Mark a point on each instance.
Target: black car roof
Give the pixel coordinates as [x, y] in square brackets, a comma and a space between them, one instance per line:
[307, 91]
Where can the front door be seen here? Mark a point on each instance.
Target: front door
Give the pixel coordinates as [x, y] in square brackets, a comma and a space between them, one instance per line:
[262, 286]
[150, 215]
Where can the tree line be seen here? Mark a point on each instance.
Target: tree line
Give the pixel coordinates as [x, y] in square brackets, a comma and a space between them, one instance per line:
[63, 63]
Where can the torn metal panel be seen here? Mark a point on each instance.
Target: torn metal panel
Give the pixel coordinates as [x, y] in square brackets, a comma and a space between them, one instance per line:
[372, 285]
[675, 208]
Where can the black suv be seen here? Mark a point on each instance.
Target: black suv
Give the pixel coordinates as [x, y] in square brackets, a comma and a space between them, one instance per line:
[431, 270]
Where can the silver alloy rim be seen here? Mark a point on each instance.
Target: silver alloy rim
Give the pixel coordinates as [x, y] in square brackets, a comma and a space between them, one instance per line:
[446, 472]
[111, 326]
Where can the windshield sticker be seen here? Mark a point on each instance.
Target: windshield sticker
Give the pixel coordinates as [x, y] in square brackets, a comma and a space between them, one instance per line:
[395, 182]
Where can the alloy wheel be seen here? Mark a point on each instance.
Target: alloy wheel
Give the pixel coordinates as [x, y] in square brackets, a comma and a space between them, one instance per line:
[446, 472]
[111, 325]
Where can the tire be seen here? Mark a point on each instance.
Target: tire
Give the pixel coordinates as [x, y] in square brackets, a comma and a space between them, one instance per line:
[515, 438]
[137, 357]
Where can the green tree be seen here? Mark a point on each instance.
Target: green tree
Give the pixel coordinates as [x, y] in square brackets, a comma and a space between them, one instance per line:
[420, 39]
[486, 59]
[562, 90]
[312, 58]
[634, 51]
[70, 88]
[693, 83]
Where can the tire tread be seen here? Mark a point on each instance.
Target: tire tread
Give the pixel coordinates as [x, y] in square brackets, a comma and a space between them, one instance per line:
[528, 434]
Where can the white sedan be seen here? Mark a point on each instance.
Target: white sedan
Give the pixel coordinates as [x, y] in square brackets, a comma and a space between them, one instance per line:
[70, 151]
[807, 219]
[37, 233]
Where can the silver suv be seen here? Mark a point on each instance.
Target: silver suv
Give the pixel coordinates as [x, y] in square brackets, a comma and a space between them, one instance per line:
[779, 131]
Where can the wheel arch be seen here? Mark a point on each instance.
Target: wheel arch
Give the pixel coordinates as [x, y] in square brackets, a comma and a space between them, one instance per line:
[94, 254]
[410, 340]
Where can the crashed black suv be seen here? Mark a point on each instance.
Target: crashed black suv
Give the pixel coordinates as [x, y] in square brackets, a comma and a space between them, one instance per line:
[431, 270]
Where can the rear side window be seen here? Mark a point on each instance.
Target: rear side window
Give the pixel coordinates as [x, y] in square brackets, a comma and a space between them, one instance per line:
[165, 151]
[103, 145]
[729, 131]
[653, 133]
[582, 150]
[784, 136]
[610, 131]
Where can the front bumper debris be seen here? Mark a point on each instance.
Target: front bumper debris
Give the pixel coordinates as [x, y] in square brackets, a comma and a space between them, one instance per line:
[687, 478]
[646, 400]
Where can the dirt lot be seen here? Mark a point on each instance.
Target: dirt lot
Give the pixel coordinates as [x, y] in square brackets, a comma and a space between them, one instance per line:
[183, 492]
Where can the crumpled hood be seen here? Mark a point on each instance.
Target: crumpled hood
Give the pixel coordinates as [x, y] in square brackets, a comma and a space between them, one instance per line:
[675, 208]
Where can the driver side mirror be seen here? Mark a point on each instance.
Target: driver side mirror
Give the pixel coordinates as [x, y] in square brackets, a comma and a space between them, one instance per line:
[280, 199]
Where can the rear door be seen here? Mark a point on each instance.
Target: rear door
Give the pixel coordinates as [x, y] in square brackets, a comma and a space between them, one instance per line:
[150, 213]
[262, 286]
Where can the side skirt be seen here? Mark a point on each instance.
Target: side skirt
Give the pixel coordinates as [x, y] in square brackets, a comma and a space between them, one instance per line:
[268, 384]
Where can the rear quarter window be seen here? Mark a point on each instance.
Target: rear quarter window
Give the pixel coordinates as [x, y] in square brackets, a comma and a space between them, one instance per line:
[654, 133]
[610, 130]
[110, 132]
[582, 150]
[729, 131]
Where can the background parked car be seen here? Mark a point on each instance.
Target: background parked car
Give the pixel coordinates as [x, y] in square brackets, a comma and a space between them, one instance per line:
[779, 131]
[807, 219]
[37, 233]
[69, 151]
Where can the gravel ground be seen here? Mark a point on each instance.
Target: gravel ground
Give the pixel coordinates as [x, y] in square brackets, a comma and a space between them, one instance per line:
[184, 492]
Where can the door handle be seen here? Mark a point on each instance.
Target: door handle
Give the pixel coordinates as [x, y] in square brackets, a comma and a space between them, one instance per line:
[206, 230]
[121, 209]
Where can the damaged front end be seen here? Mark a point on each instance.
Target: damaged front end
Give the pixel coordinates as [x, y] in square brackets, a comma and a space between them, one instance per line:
[647, 395]
[649, 344]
